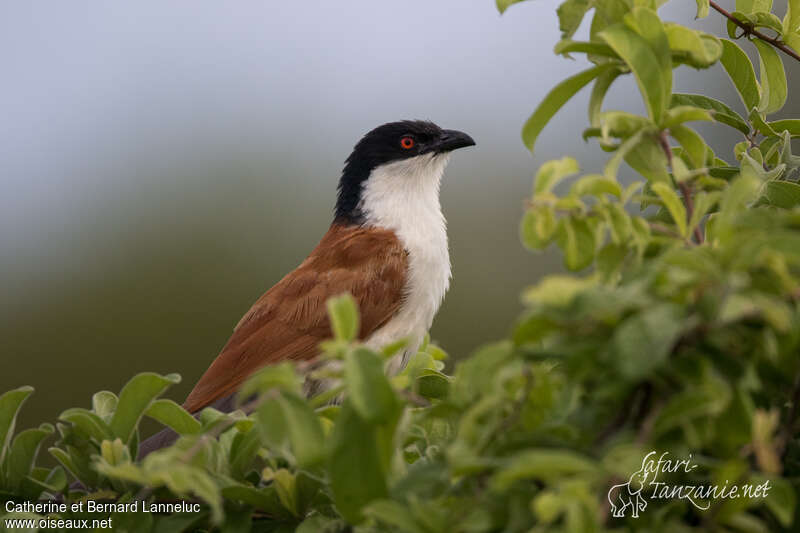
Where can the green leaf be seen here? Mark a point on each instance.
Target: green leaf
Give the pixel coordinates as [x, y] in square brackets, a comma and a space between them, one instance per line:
[790, 125]
[94, 426]
[673, 204]
[741, 72]
[393, 514]
[134, 399]
[556, 290]
[23, 453]
[104, 403]
[432, 384]
[695, 48]
[370, 392]
[595, 185]
[751, 6]
[555, 99]
[343, 313]
[552, 172]
[702, 9]
[643, 341]
[282, 376]
[599, 91]
[612, 165]
[783, 194]
[694, 145]
[171, 414]
[543, 464]
[354, 449]
[703, 202]
[303, 429]
[646, 51]
[621, 124]
[567, 46]
[647, 157]
[502, 5]
[619, 222]
[10, 402]
[576, 239]
[773, 78]
[719, 111]
[538, 227]
[677, 115]
[570, 15]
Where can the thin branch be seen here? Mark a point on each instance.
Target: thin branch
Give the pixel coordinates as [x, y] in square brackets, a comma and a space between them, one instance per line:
[750, 30]
[687, 197]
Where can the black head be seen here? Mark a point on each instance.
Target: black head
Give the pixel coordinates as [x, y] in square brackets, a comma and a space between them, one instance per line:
[386, 144]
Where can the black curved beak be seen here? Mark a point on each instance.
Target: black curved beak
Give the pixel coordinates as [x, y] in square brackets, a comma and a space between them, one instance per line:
[453, 140]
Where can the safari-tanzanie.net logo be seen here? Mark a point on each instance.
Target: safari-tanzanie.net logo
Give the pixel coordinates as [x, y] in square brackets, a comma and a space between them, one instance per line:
[650, 483]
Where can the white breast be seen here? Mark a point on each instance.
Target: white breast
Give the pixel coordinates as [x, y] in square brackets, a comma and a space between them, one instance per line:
[404, 196]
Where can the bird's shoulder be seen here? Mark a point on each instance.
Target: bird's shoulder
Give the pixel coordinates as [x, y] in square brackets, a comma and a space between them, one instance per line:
[368, 262]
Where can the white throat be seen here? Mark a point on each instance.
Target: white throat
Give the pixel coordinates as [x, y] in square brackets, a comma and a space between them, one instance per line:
[403, 196]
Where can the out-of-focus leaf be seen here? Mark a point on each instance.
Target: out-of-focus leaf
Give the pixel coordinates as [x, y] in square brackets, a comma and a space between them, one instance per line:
[773, 78]
[552, 172]
[576, 239]
[595, 185]
[643, 341]
[719, 111]
[394, 514]
[303, 429]
[673, 204]
[282, 376]
[10, 402]
[353, 448]
[556, 98]
[741, 72]
[370, 392]
[538, 227]
[343, 313]
[783, 194]
[543, 464]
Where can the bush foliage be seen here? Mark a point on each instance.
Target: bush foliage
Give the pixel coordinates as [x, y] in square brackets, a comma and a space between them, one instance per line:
[678, 333]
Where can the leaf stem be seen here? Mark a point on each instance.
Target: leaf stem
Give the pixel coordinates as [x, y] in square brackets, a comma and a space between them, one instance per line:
[750, 30]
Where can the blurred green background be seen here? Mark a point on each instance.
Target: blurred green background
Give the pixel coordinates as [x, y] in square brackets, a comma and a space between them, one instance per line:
[163, 164]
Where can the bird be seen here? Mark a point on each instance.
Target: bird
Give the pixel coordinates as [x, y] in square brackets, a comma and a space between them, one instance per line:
[387, 246]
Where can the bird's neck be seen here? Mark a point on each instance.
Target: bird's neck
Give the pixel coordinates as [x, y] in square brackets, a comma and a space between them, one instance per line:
[404, 197]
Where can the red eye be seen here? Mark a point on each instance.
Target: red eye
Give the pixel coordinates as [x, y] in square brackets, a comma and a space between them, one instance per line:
[407, 143]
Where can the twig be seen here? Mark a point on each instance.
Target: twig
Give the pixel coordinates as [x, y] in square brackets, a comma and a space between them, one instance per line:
[687, 198]
[750, 30]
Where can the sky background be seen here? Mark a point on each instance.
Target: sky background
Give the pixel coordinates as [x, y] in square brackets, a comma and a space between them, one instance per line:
[164, 163]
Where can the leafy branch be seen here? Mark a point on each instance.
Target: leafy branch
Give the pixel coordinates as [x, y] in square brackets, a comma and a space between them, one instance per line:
[749, 29]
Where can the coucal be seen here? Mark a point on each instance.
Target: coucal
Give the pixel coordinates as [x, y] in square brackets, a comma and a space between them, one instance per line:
[387, 246]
